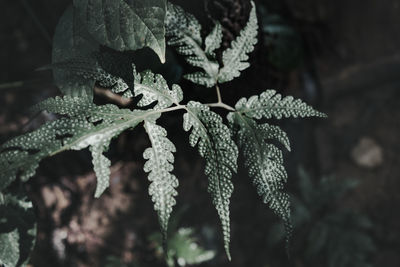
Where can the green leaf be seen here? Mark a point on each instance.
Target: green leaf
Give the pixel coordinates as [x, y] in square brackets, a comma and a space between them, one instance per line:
[71, 42]
[235, 58]
[124, 24]
[271, 105]
[101, 166]
[183, 249]
[84, 125]
[264, 162]
[17, 230]
[159, 165]
[87, 68]
[178, 23]
[329, 234]
[183, 31]
[214, 40]
[220, 152]
[155, 88]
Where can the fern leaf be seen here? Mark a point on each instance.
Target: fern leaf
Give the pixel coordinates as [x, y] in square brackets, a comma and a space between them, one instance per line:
[183, 31]
[213, 40]
[180, 23]
[125, 25]
[271, 105]
[234, 58]
[75, 107]
[264, 163]
[159, 166]
[88, 68]
[101, 166]
[200, 78]
[17, 230]
[155, 88]
[220, 152]
[84, 125]
[69, 43]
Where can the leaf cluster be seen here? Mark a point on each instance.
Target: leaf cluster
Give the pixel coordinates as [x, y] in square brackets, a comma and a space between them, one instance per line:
[81, 124]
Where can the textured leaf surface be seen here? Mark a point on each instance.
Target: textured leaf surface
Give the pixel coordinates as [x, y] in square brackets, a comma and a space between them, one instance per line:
[159, 165]
[155, 88]
[84, 125]
[264, 163]
[69, 42]
[17, 230]
[101, 166]
[125, 24]
[183, 31]
[220, 152]
[214, 40]
[87, 68]
[235, 58]
[271, 105]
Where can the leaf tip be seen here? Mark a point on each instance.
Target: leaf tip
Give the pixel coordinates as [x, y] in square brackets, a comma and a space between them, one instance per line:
[161, 53]
[98, 194]
[228, 254]
[162, 58]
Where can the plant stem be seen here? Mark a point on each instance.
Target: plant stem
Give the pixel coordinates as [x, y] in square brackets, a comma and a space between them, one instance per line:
[218, 93]
[221, 105]
[177, 107]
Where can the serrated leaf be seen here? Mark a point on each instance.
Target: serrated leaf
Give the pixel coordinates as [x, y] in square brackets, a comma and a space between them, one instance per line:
[87, 68]
[183, 31]
[17, 230]
[155, 88]
[235, 58]
[270, 104]
[201, 78]
[84, 125]
[179, 23]
[264, 162]
[124, 24]
[214, 40]
[159, 165]
[220, 152]
[101, 166]
[70, 43]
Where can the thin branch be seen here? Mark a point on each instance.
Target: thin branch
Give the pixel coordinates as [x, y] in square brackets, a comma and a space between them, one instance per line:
[221, 105]
[177, 107]
[218, 93]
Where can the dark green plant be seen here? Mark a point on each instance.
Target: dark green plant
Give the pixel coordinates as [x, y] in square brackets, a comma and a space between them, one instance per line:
[80, 62]
[182, 248]
[17, 230]
[324, 234]
[283, 42]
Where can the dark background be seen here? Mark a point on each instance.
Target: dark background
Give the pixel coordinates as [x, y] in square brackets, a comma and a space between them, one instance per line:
[345, 61]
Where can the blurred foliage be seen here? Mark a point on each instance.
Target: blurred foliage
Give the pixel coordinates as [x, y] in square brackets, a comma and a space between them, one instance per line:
[113, 261]
[182, 247]
[284, 43]
[17, 230]
[326, 234]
